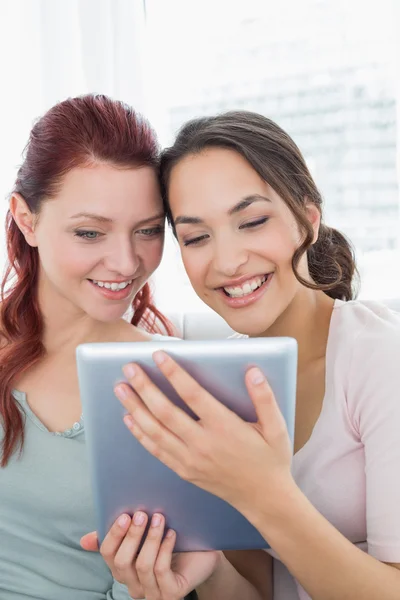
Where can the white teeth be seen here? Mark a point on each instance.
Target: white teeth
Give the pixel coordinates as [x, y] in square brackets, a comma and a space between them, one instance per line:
[113, 286]
[246, 288]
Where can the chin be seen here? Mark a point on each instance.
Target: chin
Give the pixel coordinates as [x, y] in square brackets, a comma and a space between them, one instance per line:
[253, 321]
[252, 329]
[107, 315]
[245, 324]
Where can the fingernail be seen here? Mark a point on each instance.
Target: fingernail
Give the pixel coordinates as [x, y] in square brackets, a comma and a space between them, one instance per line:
[159, 357]
[128, 421]
[120, 392]
[156, 520]
[170, 533]
[256, 376]
[123, 521]
[139, 518]
[129, 371]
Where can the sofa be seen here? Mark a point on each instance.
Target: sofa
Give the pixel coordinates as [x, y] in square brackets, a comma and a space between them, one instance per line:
[208, 325]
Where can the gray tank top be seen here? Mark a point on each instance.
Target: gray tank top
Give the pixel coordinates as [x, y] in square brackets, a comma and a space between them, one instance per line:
[45, 508]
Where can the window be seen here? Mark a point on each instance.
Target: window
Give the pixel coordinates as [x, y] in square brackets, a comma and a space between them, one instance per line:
[325, 71]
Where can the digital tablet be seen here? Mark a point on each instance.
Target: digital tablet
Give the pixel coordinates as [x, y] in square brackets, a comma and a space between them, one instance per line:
[126, 478]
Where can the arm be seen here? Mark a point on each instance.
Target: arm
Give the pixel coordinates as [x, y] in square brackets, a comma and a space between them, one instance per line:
[248, 465]
[242, 575]
[329, 566]
[325, 563]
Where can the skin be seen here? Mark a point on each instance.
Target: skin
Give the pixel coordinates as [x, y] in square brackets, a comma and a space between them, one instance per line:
[124, 241]
[248, 465]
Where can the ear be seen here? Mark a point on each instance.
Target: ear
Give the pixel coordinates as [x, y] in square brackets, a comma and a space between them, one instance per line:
[314, 216]
[24, 218]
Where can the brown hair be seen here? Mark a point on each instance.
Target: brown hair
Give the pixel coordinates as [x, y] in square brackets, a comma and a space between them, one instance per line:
[73, 133]
[279, 162]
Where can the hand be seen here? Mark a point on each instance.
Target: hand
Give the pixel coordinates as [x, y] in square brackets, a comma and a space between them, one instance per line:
[220, 452]
[155, 573]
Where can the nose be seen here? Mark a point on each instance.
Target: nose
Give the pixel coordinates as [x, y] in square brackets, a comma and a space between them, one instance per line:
[229, 257]
[122, 257]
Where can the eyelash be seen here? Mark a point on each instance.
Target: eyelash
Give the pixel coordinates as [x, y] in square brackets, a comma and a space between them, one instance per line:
[85, 234]
[195, 241]
[148, 232]
[152, 231]
[250, 225]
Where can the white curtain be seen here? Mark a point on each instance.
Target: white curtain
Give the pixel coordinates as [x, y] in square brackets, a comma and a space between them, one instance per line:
[54, 49]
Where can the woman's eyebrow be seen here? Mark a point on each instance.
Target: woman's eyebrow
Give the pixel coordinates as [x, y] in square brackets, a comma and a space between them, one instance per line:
[93, 216]
[241, 205]
[247, 201]
[102, 219]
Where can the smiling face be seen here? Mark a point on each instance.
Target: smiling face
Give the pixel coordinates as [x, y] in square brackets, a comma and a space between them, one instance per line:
[237, 239]
[99, 239]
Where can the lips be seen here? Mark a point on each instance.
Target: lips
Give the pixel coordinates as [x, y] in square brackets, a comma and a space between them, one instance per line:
[107, 291]
[112, 285]
[246, 288]
[243, 299]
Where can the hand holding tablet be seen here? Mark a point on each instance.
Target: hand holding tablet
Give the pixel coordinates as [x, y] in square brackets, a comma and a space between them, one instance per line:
[200, 422]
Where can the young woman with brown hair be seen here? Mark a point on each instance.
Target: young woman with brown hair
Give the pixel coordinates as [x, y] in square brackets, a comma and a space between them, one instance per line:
[248, 217]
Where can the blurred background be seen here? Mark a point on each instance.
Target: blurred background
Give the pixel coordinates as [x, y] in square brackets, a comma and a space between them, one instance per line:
[326, 71]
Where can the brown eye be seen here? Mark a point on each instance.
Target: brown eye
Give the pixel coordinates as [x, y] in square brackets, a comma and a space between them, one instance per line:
[195, 240]
[255, 223]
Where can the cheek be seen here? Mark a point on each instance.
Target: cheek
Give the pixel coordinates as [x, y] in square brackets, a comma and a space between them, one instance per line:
[151, 253]
[195, 263]
[280, 247]
[62, 256]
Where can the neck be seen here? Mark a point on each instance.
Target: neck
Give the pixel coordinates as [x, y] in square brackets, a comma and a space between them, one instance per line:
[307, 319]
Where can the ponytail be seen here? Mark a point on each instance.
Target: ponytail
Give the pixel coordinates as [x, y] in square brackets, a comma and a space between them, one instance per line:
[331, 262]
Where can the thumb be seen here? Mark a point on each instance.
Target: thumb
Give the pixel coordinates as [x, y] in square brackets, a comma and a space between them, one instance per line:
[90, 542]
[271, 421]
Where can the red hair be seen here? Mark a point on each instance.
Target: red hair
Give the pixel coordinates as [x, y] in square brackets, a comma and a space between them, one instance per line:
[72, 134]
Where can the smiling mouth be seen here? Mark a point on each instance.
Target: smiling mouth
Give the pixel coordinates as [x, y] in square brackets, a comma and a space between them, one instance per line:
[247, 288]
[114, 286]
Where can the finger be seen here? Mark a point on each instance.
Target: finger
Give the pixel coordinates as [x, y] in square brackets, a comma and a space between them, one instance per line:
[114, 539]
[173, 417]
[124, 560]
[165, 577]
[90, 542]
[145, 562]
[173, 461]
[268, 412]
[203, 404]
[194, 569]
[161, 438]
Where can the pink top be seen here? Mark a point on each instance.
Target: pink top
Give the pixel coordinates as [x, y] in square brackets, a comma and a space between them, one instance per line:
[350, 467]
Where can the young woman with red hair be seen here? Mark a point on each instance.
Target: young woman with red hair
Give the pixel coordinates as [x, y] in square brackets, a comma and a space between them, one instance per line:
[84, 233]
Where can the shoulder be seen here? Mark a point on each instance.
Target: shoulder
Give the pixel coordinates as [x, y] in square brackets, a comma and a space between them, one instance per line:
[365, 356]
[364, 326]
